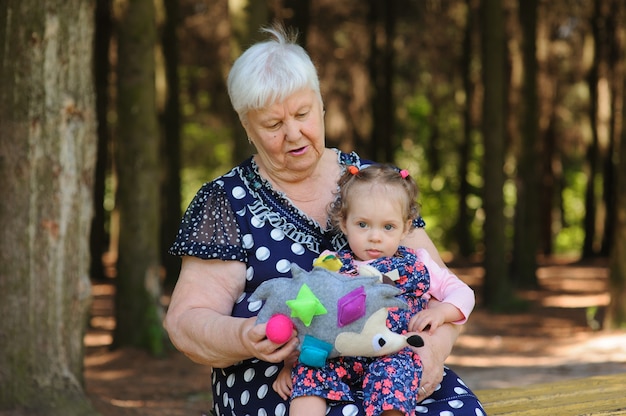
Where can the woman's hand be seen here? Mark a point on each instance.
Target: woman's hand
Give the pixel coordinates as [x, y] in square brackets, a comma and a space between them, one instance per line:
[437, 347]
[256, 343]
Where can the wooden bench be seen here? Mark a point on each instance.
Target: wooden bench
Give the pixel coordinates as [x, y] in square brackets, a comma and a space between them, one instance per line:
[600, 395]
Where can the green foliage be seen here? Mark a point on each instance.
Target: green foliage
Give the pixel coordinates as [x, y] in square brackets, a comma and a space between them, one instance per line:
[569, 232]
[205, 155]
[433, 160]
[206, 141]
[435, 167]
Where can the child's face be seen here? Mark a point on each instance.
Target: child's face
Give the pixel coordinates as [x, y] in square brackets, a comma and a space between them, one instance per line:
[374, 223]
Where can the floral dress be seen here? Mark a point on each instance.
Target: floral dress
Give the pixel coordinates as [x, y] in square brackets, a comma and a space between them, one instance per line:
[387, 382]
[240, 217]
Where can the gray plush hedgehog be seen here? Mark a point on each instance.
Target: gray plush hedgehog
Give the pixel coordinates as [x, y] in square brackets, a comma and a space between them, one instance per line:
[335, 315]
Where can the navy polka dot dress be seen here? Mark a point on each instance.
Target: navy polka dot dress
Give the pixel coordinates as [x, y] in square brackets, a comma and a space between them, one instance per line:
[240, 217]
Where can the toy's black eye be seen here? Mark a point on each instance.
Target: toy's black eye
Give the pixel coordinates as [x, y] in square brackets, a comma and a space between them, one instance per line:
[378, 342]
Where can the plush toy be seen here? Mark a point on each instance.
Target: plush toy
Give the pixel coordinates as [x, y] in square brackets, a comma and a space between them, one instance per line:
[335, 315]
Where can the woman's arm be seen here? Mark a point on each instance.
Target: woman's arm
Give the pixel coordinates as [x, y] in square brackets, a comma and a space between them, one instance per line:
[198, 319]
[418, 238]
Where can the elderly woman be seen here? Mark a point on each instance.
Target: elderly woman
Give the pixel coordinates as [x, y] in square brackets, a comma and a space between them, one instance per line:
[250, 224]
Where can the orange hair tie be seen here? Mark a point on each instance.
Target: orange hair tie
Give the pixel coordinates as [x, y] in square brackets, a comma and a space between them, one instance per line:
[353, 169]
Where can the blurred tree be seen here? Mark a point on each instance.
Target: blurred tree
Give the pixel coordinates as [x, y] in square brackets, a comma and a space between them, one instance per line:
[296, 14]
[138, 283]
[597, 151]
[616, 311]
[615, 64]
[171, 122]
[526, 240]
[462, 232]
[246, 18]
[101, 70]
[496, 289]
[338, 41]
[382, 19]
[47, 156]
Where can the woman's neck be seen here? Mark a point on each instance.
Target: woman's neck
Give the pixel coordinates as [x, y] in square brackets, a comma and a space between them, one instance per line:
[311, 191]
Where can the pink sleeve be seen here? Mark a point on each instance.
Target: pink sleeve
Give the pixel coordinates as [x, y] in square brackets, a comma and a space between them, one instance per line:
[445, 286]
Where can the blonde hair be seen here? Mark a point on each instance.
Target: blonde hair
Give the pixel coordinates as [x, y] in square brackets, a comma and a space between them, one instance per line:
[383, 174]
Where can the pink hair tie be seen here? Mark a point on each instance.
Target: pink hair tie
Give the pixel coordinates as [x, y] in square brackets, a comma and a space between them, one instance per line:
[353, 169]
[404, 173]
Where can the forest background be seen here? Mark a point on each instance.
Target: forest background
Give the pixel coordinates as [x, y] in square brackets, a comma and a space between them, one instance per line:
[114, 112]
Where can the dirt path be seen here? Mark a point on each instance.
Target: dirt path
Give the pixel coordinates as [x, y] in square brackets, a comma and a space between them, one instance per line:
[553, 340]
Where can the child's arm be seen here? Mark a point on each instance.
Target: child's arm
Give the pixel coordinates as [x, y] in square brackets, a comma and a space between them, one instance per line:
[436, 314]
[446, 287]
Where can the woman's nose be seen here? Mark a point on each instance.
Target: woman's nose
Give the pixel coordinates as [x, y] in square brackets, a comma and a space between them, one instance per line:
[292, 130]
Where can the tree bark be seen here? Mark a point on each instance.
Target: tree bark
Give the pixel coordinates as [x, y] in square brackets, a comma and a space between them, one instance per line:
[527, 208]
[496, 287]
[246, 18]
[47, 156]
[101, 68]
[462, 227]
[616, 311]
[171, 149]
[138, 310]
[382, 17]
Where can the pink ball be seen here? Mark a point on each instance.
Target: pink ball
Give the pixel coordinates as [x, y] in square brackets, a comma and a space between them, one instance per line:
[279, 328]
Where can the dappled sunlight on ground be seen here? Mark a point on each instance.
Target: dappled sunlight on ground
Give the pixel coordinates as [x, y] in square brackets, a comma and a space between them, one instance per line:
[556, 339]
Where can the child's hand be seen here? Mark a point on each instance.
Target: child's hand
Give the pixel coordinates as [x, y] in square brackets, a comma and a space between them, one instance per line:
[436, 314]
[282, 385]
[427, 319]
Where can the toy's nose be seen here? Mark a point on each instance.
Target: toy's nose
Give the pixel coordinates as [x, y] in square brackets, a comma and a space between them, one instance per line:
[415, 341]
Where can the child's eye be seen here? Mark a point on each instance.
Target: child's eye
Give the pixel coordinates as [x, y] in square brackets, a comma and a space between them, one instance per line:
[362, 224]
[389, 227]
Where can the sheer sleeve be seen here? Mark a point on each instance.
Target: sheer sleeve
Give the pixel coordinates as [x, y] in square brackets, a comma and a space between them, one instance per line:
[209, 228]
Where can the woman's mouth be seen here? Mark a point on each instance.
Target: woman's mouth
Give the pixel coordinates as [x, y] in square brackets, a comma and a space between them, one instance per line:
[299, 151]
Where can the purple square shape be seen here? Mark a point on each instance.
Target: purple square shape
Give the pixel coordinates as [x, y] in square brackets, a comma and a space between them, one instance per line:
[351, 307]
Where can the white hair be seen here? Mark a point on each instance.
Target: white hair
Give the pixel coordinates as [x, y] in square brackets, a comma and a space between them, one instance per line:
[270, 71]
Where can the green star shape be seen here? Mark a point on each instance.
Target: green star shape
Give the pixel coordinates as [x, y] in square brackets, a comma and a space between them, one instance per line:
[306, 305]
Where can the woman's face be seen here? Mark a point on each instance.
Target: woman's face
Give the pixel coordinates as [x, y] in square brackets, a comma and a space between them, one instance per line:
[288, 136]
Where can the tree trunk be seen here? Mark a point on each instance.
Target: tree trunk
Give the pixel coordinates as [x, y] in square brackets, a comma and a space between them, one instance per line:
[595, 151]
[462, 227]
[137, 302]
[496, 287]
[527, 208]
[382, 22]
[246, 18]
[616, 70]
[298, 16]
[47, 156]
[171, 123]
[102, 40]
[616, 311]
